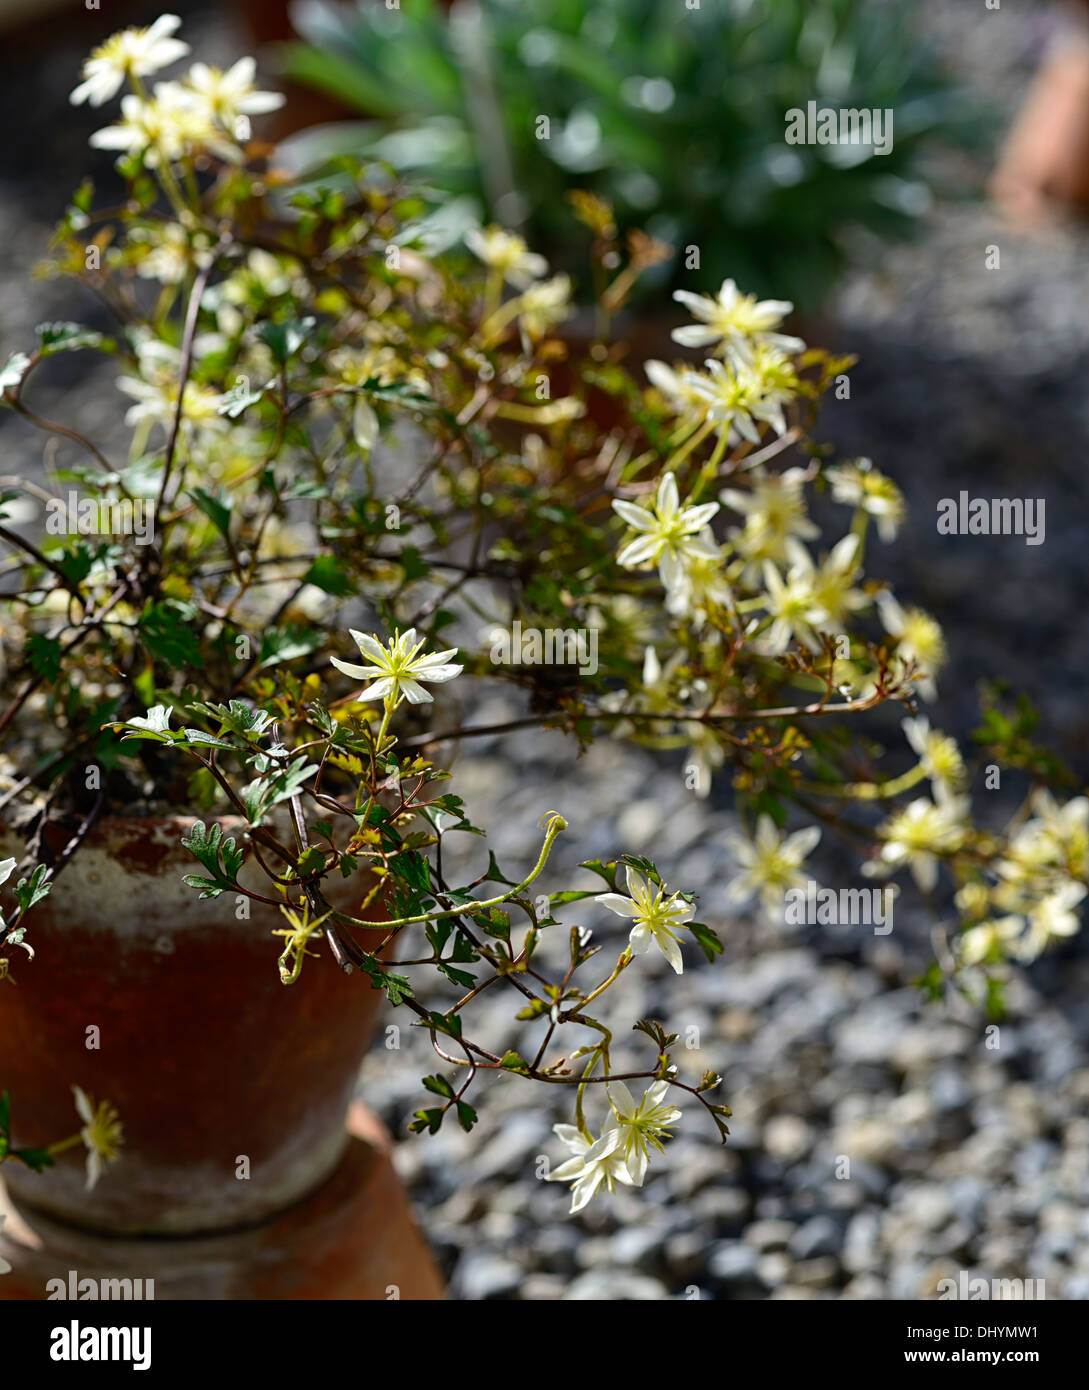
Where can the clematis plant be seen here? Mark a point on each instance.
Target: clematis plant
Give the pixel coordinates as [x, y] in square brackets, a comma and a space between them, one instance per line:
[347, 427]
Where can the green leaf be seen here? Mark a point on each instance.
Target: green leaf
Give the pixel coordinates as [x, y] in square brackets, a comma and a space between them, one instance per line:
[413, 564]
[35, 1159]
[280, 645]
[44, 655]
[168, 630]
[263, 793]
[311, 861]
[75, 562]
[439, 1086]
[329, 574]
[13, 371]
[238, 399]
[29, 891]
[321, 718]
[712, 946]
[466, 1115]
[642, 866]
[427, 1119]
[216, 509]
[207, 844]
[456, 977]
[396, 986]
[283, 340]
[205, 740]
[155, 725]
[513, 1061]
[596, 866]
[70, 337]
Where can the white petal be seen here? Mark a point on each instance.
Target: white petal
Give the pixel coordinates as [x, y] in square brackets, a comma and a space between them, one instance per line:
[379, 690]
[438, 674]
[413, 693]
[645, 548]
[364, 424]
[83, 1105]
[672, 951]
[637, 885]
[603, 1147]
[359, 673]
[573, 1137]
[694, 335]
[640, 940]
[668, 499]
[637, 1167]
[656, 1093]
[623, 907]
[369, 646]
[672, 570]
[584, 1190]
[802, 842]
[637, 517]
[695, 518]
[621, 1098]
[435, 658]
[698, 304]
[570, 1168]
[113, 137]
[257, 103]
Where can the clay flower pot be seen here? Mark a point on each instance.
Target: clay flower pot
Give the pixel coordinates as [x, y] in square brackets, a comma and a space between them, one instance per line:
[232, 1087]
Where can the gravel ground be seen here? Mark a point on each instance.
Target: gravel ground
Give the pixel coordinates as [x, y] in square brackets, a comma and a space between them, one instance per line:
[962, 1156]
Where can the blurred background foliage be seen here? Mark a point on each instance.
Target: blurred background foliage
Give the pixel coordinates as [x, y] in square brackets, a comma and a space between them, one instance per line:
[675, 115]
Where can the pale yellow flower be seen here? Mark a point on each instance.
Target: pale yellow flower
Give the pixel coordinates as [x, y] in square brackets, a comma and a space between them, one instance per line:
[224, 97]
[162, 128]
[939, 756]
[989, 940]
[399, 668]
[127, 54]
[596, 1163]
[919, 834]
[919, 639]
[859, 484]
[668, 533]
[655, 913]
[642, 1125]
[774, 510]
[102, 1134]
[507, 253]
[734, 321]
[770, 863]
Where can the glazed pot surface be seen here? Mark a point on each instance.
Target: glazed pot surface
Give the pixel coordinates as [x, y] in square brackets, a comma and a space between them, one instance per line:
[232, 1087]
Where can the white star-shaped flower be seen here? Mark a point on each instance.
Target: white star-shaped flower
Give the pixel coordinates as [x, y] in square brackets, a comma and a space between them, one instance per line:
[228, 95]
[1052, 919]
[129, 53]
[919, 834]
[735, 321]
[642, 1126]
[595, 1163]
[770, 863]
[102, 1134]
[506, 253]
[669, 534]
[398, 669]
[656, 915]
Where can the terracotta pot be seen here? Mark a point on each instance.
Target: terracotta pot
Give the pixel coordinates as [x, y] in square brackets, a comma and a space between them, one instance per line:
[172, 1008]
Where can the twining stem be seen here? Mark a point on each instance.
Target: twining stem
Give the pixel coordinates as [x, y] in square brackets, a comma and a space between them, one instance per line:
[556, 825]
[871, 791]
